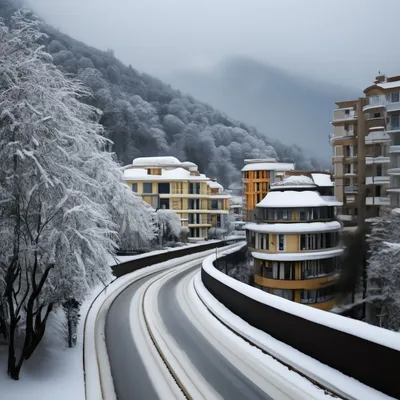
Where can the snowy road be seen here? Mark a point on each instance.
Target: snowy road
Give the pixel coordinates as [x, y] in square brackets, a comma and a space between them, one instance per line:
[163, 344]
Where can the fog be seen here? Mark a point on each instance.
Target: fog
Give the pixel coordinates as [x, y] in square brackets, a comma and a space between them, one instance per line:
[338, 41]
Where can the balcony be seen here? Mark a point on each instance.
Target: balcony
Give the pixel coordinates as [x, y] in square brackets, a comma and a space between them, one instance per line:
[377, 137]
[377, 180]
[375, 102]
[346, 218]
[394, 149]
[394, 171]
[377, 201]
[392, 129]
[377, 160]
[341, 114]
[351, 189]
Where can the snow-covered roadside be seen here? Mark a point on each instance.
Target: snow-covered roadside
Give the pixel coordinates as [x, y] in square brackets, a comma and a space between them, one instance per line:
[331, 378]
[54, 371]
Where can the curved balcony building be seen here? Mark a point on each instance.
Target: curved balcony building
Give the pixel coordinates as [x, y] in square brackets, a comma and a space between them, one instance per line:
[295, 243]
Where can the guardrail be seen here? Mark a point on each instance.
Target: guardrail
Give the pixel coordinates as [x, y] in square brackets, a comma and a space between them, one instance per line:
[358, 350]
[144, 260]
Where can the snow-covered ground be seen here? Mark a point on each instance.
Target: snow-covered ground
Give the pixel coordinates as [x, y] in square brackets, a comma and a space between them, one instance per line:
[54, 372]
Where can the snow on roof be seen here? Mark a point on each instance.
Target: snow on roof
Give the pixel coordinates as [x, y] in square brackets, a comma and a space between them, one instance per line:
[179, 173]
[300, 256]
[294, 227]
[323, 180]
[294, 181]
[269, 166]
[215, 185]
[290, 198]
[332, 201]
[156, 161]
[377, 128]
[389, 85]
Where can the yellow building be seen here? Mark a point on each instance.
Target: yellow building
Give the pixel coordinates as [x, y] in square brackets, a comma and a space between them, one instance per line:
[167, 183]
[257, 176]
[295, 241]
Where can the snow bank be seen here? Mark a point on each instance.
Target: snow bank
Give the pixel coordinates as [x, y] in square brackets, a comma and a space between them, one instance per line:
[291, 198]
[295, 227]
[295, 180]
[353, 327]
[156, 161]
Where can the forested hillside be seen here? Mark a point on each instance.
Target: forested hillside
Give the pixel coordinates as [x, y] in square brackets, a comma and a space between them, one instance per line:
[145, 117]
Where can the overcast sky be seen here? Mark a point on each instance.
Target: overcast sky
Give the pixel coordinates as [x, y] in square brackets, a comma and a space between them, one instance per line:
[340, 41]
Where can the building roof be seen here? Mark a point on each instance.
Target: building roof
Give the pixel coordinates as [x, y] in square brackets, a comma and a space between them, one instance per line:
[215, 185]
[322, 180]
[155, 161]
[293, 199]
[389, 85]
[176, 174]
[294, 181]
[268, 166]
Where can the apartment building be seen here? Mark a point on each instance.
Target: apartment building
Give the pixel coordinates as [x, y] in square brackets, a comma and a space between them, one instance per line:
[366, 151]
[295, 242]
[257, 176]
[166, 182]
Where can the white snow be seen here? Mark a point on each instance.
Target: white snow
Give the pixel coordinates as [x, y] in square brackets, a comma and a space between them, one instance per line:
[295, 227]
[323, 180]
[178, 173]
[351, 326]
[377, 128]
[332, 201]
[325, 375]
[269, 166]
[290, 198]
[215, 185]
[300, 256]
[294, 181]
[155, 161]
[389, 85]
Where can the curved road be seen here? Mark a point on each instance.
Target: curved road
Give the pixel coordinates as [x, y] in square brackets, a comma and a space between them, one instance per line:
[209, 363]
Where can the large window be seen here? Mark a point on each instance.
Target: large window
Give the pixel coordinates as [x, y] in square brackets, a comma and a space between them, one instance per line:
[316, 241]
[251, 238]
[285, 293]
[281, 242]
[317, 296]
[286, 214]
[147, 187]
[315, 268]
[394, 121]
[214, 204]
[195, 232]
[194, 204]
[262, 241]
[163, 188]
[194, 188]
[394, 97]
[282, 270]
[134, 187]
[195, 219]
[164, 204]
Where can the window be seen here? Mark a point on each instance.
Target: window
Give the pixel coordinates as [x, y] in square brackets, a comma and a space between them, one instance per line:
[194, 188]
[346, 127]
[379, 170]
[194, 204]
[163, 188]
[395, 97]
[251, 238]
[134, 187]
[147, 187]
[347, 112]
[195, 232]
[164, 204]
[316, 241]
[281, 242]
[285, 293]
[394, 121]
[348, 151]
[377, 115]
[262, 241]
[214, 204]
[347, 168]
[219, 224]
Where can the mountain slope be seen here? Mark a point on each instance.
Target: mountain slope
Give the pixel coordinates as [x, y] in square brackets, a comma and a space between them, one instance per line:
[145, 117]
[294, 109]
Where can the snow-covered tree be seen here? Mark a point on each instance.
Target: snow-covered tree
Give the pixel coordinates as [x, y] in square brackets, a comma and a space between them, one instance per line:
[384, 270]
[56, 217]
[169, 225]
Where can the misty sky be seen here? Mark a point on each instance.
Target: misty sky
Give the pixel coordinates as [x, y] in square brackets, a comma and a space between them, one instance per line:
[340, 41]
